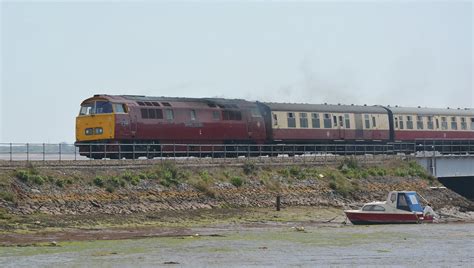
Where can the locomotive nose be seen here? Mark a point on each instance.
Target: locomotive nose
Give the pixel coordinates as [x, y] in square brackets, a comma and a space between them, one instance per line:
[95, 127]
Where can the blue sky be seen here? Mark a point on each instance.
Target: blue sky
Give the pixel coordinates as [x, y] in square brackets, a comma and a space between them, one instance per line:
[54, 55]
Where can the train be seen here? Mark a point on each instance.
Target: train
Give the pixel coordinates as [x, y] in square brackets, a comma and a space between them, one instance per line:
[119, 126]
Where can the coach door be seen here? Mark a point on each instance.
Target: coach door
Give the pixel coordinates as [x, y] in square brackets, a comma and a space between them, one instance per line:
[340, 126]
[359, 132]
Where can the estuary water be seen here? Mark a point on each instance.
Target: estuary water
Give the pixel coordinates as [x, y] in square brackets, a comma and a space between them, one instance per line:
[429, 245]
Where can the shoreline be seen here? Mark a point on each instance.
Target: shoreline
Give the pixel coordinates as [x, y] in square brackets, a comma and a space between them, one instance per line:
[35, 200]
[232, 221]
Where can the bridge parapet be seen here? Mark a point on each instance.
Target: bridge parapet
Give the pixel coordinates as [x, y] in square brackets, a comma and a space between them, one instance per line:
[447, 165]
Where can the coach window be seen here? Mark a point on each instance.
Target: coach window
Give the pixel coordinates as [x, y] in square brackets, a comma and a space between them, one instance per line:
[374, 122]
[437, 123]
[334, 118]
[430, 122]
[303, 120]
[396, 122]
[275, 120]
[327, 121]
[315, 120]
[367, 121]
[348, 122]
[193, 115]
[444, 123]
[400, 121]
[341, 121]
[454, 123]
[169, 114]
[472, 123]
[463, 123]
[409, 122]
[419, 122]
[291, 120]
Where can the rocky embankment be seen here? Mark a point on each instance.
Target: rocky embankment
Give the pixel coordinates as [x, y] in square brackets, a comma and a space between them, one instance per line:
[85, 192]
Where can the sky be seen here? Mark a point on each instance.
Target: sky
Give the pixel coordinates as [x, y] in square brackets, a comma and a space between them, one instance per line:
[56, 54]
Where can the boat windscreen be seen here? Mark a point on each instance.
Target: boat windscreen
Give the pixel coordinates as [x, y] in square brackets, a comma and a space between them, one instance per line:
[413, 203]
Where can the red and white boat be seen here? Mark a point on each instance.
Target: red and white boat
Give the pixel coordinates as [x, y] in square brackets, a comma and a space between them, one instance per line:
[400, 207]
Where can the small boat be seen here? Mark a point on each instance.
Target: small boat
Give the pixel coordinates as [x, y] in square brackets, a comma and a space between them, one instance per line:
[400, 207]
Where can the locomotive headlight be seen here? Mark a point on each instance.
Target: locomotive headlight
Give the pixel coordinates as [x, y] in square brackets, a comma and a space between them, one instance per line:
[99, 130]
[89, 131]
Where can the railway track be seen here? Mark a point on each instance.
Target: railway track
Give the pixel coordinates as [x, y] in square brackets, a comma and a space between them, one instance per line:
[196, 162]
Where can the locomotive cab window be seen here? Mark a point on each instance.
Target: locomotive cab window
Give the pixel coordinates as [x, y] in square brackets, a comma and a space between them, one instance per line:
[103, 107]
[86, 109]
[98, 107]
[119, 108]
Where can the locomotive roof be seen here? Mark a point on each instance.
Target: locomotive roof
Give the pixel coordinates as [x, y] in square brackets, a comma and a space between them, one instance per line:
[177, 99]
[432, 111]
[335, 108]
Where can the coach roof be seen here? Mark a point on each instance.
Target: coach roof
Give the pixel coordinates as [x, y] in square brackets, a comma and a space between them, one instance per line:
[332, 108]
[432, 111]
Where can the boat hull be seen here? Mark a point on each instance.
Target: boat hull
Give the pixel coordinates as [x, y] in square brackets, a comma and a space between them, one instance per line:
[360, 217]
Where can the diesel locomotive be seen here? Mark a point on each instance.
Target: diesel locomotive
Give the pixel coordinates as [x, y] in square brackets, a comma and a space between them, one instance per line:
[112, 124]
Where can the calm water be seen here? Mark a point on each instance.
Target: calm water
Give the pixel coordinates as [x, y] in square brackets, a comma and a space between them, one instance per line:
[445, 245]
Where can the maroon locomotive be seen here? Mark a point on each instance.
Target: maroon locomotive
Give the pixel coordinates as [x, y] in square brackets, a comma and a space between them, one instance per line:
[120, 121]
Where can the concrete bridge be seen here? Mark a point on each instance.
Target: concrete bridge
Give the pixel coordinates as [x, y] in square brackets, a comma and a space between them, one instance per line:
[448, 165]
[454, 172]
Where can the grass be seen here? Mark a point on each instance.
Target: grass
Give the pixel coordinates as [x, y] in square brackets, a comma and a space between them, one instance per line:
[237, 181]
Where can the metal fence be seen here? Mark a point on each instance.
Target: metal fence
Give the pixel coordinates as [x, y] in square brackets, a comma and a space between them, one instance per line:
[87, 151]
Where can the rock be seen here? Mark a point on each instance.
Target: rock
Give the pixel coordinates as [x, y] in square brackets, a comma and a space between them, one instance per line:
[36, 191]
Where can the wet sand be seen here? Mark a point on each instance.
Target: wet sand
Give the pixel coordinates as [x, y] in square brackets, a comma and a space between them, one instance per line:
[444, 245]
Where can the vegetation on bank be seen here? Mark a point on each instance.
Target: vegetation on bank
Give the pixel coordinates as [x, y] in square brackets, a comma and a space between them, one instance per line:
[343, 179]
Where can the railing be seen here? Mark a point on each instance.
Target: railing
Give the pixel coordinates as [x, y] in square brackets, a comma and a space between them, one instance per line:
[86, 151]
